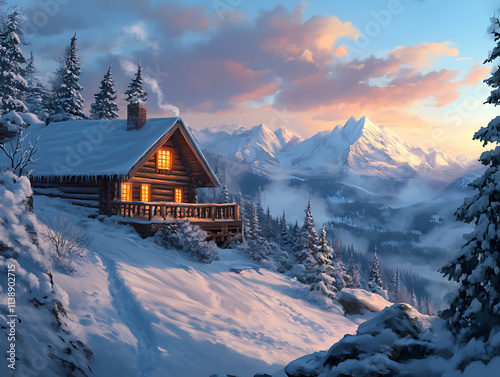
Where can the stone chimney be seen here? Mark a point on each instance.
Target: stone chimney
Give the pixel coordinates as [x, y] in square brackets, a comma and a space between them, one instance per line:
[136, 115]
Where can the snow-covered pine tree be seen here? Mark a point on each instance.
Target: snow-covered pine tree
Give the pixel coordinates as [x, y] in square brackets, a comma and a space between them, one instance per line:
[226, 197]
[258, 246]
[414, 299]
[309, 234]
[260, 211]
[286, 242]
[397, 289]
[375, 275]
[268, 230]
[325, 273]
[105, 106]
[37, 96]
[295, 237]
[136, 92]
[255, 224]
[246, 214]
[475, 309]
[429, 310]
[337, 246]
[68, 103]
[353, 278]
[13, 86]
[305, 243]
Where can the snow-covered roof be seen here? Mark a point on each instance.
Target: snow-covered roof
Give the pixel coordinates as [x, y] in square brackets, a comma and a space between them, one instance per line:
[91, 148]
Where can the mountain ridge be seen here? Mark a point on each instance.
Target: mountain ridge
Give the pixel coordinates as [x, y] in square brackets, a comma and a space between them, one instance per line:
[358, 147]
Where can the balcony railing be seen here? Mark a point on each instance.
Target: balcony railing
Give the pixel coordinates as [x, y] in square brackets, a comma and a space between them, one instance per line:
[166, 211]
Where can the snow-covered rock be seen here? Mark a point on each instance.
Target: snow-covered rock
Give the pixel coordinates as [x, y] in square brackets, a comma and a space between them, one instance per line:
[382, 346]
[359, 301]
[399, 341]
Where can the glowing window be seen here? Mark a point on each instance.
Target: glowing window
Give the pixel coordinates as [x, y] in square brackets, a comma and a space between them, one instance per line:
[145, 193]
[164, 159]
[126, 192]
[178, 195]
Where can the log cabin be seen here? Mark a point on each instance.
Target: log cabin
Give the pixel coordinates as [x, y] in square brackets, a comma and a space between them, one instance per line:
[145, 171]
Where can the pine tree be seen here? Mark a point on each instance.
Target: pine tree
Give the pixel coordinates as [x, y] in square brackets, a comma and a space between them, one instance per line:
[475, 309]
[68, 103]
[286, 242]
[105, 106]
[353, 279]
[256, 230]
[37, 97]
[337, 246]
[260, 210]
[226, 197]
[268, 225]
[309, 235]
[414, 300]
[247, 229]
[326, 264]
[246, 213]
[305, 244]
[321, 278]
[375, 275]
[429, 310]
[135, 92]
[257, 245]
[13, 86]
[324, 253]
[396, 287]
[296, 236]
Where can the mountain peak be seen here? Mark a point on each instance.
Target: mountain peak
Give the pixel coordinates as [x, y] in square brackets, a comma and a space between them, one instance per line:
[354, 129]
[286, 136]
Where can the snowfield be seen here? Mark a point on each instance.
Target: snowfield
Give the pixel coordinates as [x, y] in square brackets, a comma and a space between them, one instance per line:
[147, 311]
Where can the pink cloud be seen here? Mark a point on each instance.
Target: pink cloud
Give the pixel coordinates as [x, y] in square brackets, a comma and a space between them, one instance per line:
[398, 84]
[297, 60]
[424, 55]
[263, 91]
[313, 40]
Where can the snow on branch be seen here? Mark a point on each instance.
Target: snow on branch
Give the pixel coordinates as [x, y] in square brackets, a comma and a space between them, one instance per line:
[18, 155]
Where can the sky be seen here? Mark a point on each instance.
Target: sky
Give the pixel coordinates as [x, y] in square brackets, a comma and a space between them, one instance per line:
[415, 66]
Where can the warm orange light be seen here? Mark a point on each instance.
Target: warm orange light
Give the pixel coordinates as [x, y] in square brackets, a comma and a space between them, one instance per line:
[164, 159]
[126, 192]
[145, 193]
[178, 195]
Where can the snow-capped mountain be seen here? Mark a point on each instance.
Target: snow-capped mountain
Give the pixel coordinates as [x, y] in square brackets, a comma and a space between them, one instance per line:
[359, 147]
[258, 145]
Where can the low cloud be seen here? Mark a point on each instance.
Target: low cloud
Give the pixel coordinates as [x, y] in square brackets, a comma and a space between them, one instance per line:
[279, 196]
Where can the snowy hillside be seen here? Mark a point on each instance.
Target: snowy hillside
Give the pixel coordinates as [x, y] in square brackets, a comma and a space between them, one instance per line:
[146, 310]
[359, 147]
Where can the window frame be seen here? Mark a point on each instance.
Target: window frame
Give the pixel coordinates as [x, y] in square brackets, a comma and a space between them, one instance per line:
[129, 193]
[149, 192]
[157, 160]
[176, 190]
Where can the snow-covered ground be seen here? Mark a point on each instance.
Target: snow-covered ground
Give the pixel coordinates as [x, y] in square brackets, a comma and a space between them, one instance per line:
[147, 311]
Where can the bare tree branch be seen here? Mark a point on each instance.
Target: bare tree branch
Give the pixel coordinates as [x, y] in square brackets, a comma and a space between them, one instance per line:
[69, 241]
[19, 156]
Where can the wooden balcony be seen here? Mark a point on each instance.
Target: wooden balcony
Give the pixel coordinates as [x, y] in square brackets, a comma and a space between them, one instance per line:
[220, 221]
[165, 211]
